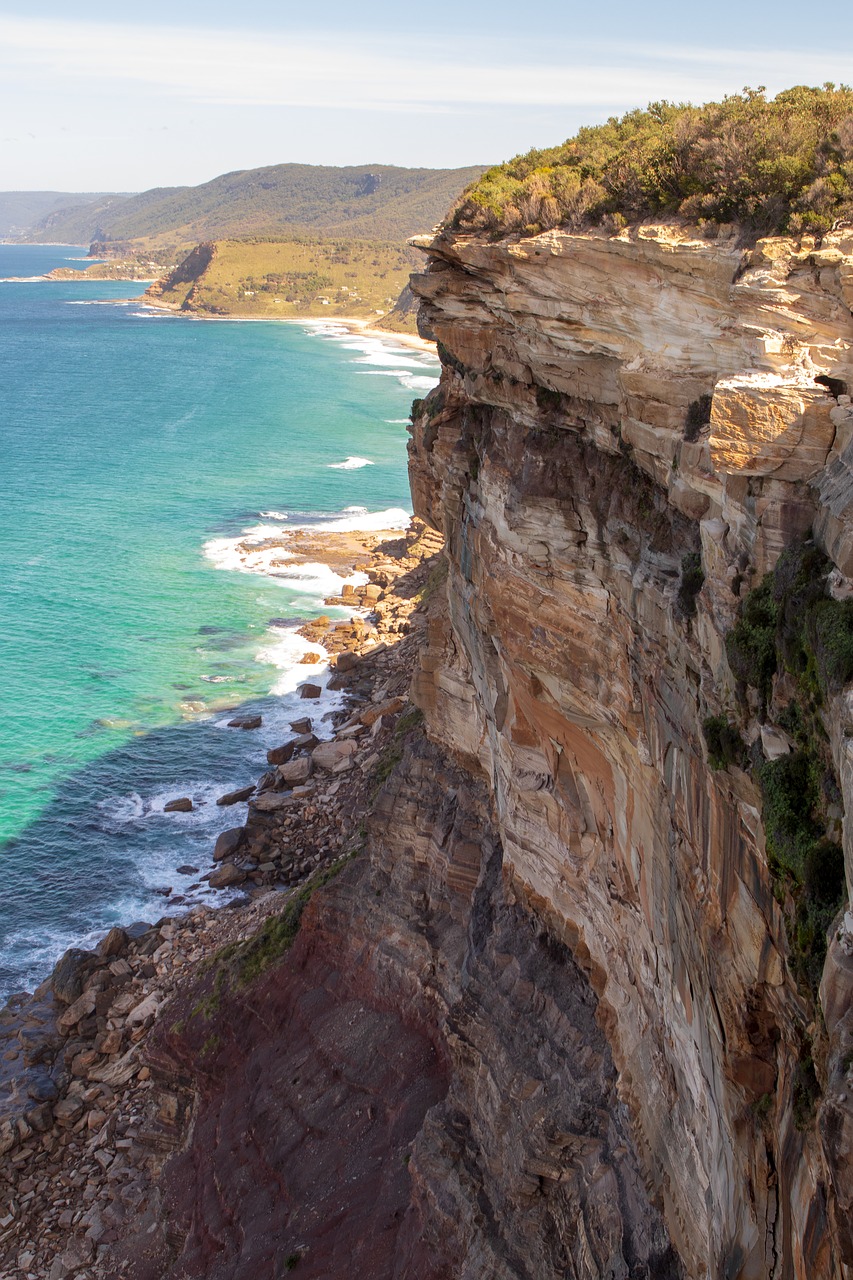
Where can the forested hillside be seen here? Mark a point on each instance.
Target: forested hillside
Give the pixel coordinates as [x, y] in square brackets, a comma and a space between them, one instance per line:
[371, 202]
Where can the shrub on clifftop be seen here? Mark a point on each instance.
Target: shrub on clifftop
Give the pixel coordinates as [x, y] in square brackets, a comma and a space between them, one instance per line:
[775, 165]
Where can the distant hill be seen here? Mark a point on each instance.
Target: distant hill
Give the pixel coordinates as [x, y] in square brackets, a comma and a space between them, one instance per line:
[23, 210]
[292, 278]
[370, 202]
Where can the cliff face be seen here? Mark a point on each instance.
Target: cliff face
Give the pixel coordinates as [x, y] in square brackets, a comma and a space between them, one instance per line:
[584, 650]
[560, 1016]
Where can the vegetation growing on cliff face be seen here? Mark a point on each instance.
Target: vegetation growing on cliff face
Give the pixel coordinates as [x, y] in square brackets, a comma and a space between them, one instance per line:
[790, 623]
[777, 165]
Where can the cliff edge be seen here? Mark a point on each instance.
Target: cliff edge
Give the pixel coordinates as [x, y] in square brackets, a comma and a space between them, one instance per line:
[632, 433]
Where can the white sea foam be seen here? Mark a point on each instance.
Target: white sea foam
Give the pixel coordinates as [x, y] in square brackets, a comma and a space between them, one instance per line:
[411, 381]
[396, 422]
[273, 515]
[351, 464]
[360, 520]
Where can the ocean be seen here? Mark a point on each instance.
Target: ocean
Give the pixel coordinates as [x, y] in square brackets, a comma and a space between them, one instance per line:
[137, 449]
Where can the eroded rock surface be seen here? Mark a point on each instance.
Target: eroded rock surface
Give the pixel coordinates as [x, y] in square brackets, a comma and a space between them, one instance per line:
[615, 412]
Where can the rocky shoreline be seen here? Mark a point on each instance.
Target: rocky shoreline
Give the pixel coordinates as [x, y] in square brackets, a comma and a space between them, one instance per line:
[85, 1128]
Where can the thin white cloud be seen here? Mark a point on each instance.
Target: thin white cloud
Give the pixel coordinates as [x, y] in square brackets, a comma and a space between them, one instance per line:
[340, 70]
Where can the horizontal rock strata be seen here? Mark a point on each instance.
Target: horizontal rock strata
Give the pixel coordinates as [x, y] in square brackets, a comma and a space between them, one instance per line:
[628, 432]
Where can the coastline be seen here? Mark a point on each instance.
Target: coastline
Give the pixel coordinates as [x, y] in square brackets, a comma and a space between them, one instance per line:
[355, 324]
[85, 1104]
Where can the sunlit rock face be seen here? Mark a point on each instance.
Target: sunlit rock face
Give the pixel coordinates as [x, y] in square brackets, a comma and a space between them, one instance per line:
[613, 412]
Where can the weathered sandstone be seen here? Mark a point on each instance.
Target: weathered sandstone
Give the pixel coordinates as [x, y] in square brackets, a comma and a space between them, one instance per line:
[573, 678]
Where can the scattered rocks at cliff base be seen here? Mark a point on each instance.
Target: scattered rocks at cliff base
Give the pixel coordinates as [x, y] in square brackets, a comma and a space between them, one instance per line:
[280, 755]
[228, 842]
[246, 722]
[85, 1182]
[182, 805]
[235, 797]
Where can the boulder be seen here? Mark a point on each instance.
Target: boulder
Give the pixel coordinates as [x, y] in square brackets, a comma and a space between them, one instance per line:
[305, 741]
[82, 1007]
[146, 1008]
[69, 1110]
[182, 805]
[310, 659]
[280, 755]
[226, 876]
[310, 690]
[346, 661]
[389, 708]
[113, 944]
[40, 1117]
[228, 842]
[271, 801]
[295, 771]
[67, 977]
[138, 929]
[246, 722]
[267, 780]
[335, 756]
[301, 726]
[234, 797]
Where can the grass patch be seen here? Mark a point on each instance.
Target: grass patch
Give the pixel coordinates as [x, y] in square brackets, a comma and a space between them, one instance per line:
[751, 643]
[806, 1092]
[782, 165]
[692, 577]
[437, 578]
[241, 963]
[408, 721]
[725, 745]
[279, 932]
[698, 417]
[789, 622]
[385, 766]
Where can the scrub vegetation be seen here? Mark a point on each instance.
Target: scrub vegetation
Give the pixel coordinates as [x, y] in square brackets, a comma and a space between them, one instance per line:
[780, 165]
[790, 624]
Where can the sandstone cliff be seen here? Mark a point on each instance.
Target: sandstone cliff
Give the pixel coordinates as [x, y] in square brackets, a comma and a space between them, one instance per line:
[580, 1003]
[628, 433]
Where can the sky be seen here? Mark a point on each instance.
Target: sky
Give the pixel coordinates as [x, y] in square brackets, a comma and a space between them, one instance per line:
[179, 92]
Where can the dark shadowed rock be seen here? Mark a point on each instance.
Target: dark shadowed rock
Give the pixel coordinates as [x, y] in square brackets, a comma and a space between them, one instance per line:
[280, 755]
[182, 805]
[67, 977]
[226, 876]
[295, 772]
[234, 797]
[137, 930]
[228, 843]
[246, 722]
[113, 944]
[310, 690]
[301, 726]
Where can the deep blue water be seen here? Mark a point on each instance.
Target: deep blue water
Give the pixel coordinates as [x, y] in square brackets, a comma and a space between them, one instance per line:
[136, 448]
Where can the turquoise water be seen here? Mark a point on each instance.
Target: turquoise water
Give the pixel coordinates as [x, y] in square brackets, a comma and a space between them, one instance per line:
[136, 447]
